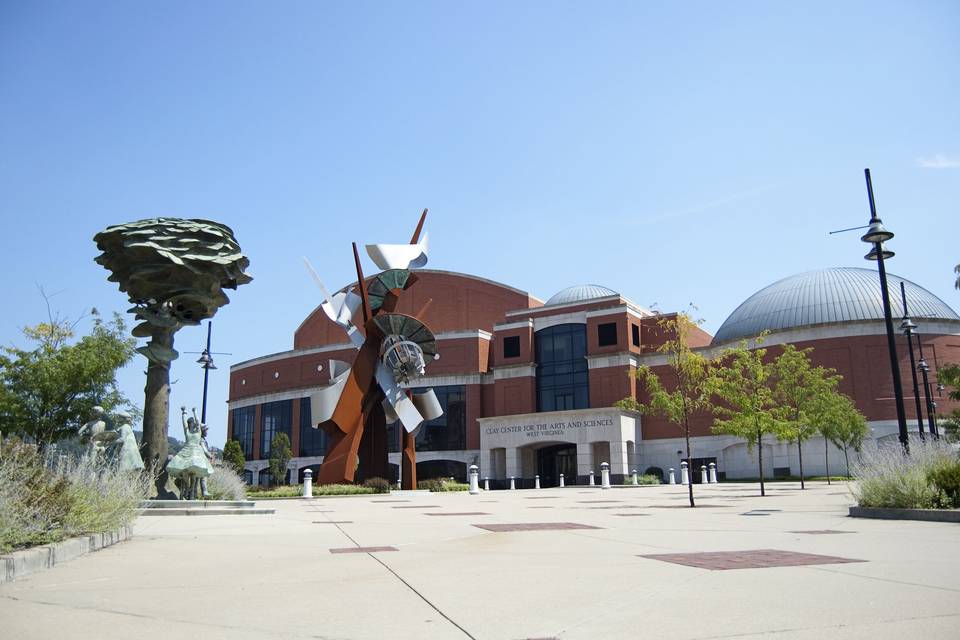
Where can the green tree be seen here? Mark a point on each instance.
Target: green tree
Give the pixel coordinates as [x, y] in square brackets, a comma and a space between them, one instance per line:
[839, 421]
[48, 392]
[799, 388]
[280, 455]
[691, 378]
[949, 376]
[233, 456]
[747, 408]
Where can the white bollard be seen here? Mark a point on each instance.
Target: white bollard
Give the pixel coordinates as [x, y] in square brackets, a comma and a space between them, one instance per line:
[703, 475]
[604, 475]
[536, 482]
[673, 477]
[636, 478]
[474, 480]
[308, 484]
[512, 485]
[592, 483]
[486, 484]
[561, 481]
[684, 477]
[713, 473]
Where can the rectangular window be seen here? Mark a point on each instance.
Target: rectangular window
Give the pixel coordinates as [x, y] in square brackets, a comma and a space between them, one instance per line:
[446, 433]
[243, 419]
[636, 334]
[275, 417]
[313, 442]
[607, 334]
[511, 347]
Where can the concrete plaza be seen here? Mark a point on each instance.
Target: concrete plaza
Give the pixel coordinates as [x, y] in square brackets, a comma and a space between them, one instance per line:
[275, 576]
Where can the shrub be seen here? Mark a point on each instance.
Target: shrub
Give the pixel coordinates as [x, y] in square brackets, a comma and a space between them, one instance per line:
[226, 484]
[887, 478]
[648, 479]
[379, 485]
[453, 485]
[43, 501]
[430, 485]
[945, 478]
[656, 472]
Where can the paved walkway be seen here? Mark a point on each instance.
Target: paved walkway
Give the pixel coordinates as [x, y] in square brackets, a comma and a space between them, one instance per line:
[274, 576]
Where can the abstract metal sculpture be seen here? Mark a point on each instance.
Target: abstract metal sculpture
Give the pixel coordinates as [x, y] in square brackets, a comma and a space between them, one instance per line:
[174, 272]
[393, 352]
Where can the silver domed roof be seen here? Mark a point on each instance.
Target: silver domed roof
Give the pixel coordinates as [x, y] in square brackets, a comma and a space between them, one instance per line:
[581, 293]
[842, 294]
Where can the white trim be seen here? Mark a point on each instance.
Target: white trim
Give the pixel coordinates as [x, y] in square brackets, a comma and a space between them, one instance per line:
[262, 398]
[468, 333]
[506, 326]
[283, 355]
[514, 371]
[445, 380]
[562, 305]
[577, 317]
[612, 360]
[629, 308]
[559, 414]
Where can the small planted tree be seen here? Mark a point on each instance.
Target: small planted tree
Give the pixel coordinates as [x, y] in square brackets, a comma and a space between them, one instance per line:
[746, 408]
[233, 456]
[847, 427]
[799, 389]
[49, 390]
[280, 455]
[691, 378]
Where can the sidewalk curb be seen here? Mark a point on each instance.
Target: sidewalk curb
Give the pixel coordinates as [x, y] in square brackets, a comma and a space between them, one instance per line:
[22, 563]
[928, 515]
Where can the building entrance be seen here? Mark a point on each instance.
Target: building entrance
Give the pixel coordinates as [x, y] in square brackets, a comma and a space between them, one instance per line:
[552, 461]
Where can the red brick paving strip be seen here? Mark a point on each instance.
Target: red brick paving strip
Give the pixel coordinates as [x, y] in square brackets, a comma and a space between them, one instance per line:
[333, 522]
[750, 559]
[821, 532]
[418, 506]
[535, 526]
[361, 549]
[461, 513]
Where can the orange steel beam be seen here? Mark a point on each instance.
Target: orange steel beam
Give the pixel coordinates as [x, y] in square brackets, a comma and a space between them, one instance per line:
[416, 234]
[362, 284]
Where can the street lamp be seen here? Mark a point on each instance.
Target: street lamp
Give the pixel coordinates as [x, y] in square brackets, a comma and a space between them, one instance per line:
[206, 361]
[931, 405]
[876, 235]
[908, 327]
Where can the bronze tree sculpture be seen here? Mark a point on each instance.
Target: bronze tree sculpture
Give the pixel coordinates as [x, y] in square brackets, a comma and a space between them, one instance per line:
[174, 272]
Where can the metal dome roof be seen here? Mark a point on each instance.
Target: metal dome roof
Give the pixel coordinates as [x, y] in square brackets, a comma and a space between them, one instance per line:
[580, 293]
[842, 294]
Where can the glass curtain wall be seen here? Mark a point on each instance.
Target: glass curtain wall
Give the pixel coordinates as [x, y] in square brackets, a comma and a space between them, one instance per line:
[275, 417]
[562, 368]
[313, 442]
[446, 433]
[242, 429]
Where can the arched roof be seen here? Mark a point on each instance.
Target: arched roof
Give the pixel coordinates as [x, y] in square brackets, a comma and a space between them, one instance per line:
[840, 294]
[580, 293]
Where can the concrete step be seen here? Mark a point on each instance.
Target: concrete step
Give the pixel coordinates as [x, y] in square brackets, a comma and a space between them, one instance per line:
[170, 511]
[196, 504]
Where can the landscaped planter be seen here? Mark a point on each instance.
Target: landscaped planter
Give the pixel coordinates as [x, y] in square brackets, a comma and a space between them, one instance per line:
[22, 563]
[930, 515]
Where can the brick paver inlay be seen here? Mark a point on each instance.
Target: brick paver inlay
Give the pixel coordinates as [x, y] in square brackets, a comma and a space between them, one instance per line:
[821, 532]
[535, 526]
[361, 549]
[749, 559]
[460, 513]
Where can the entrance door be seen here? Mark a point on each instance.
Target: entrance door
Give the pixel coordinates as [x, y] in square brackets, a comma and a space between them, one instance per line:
[552, 461]
[695, 474]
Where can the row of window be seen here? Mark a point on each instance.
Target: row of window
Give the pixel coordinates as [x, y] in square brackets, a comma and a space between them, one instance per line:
[606, 337]
[446, 433]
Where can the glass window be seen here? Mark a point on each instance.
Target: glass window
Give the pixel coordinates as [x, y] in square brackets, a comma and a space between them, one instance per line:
[607, 334]
[275, 417]
[446, 433]
[636, 334]
[562, 367]
[313, 442]
[242, 429]
[511, 347]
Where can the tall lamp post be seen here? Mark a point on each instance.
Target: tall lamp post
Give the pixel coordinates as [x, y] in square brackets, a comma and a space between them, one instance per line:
[931, 405]
[908, 327]
[876, 235]
[206, 361]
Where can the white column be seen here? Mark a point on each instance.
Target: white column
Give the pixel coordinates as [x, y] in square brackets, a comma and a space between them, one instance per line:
[713, 473]
[584, 458]
[592, 483]
[684, 478]
[605, 475]
[704, 479]
[536, 482]
[512, 485]
[474, 480]
[619, 458]
[486, 484]
[514, 463]
[561, 481]
[636, 478]
[673, 477]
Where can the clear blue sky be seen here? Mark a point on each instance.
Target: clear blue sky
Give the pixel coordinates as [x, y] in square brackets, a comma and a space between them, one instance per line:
[676, 152]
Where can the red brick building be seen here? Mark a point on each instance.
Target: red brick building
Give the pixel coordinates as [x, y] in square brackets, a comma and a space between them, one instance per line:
[528, 387]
